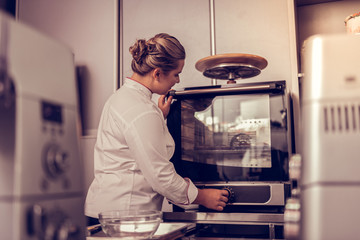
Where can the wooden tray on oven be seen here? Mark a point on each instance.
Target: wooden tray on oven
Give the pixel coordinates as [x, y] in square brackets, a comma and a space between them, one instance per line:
[231, 66]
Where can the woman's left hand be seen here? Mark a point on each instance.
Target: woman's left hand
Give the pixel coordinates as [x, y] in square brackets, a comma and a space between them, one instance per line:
[164, 104]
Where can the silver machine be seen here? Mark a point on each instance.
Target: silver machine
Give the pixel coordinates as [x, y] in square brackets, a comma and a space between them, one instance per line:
[235, 136]
[325, 205]
[41, 180]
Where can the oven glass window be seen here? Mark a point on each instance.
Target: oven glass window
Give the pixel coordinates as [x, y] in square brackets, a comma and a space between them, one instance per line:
[231, 137]
[232, 130]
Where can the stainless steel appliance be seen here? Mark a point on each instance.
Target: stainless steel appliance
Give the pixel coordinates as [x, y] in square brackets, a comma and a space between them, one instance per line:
[327, 172]
[236, 137]
[41, 183]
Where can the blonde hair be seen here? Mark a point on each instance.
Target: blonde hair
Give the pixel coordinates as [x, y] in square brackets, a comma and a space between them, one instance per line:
[162, 51]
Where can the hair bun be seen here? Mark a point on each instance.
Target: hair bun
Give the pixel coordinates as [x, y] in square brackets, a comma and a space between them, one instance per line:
[161, 51]
[139, 50]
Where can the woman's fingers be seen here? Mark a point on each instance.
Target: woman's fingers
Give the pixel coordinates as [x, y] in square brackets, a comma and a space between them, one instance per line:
[224, 199]
[222, 204]
[219, 208]
[164, 104]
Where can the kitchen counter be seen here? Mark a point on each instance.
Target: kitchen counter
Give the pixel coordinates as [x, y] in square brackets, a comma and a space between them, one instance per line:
[173, 231]
[200, 231]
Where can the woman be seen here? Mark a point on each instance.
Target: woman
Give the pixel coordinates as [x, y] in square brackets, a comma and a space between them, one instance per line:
[133, 146]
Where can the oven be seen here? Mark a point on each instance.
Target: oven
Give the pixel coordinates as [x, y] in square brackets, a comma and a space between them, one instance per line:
[236, 137]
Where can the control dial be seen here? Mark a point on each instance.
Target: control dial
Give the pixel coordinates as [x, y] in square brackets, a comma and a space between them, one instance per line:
[231, 195]
[45, 223]
[295, 167]
[292, 217]
[55, 161]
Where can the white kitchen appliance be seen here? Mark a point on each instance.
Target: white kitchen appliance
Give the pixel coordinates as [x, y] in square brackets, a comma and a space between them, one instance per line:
[41, 180]
[330, 181]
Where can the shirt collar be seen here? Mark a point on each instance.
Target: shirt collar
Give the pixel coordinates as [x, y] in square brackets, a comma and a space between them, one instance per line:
[138, 86]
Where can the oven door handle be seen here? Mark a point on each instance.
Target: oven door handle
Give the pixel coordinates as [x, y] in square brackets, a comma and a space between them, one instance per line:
[263, 88]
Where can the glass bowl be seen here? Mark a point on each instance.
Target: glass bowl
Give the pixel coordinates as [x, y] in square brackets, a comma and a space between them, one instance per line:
[130, 224]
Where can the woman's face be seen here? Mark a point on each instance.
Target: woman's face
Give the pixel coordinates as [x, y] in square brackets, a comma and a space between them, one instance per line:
[167, 81]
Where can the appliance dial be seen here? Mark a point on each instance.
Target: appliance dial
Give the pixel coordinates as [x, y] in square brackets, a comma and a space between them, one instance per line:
[295, 167]
[55, 161]
[292, 217]
[44, 223]
[231, 195]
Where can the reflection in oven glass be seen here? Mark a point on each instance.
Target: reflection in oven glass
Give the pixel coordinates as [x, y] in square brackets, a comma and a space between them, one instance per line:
[227, 131]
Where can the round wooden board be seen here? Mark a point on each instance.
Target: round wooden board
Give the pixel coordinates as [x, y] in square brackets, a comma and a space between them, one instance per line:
[231, 58]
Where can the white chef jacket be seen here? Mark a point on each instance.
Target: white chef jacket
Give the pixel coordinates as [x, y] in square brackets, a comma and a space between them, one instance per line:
[131, 156]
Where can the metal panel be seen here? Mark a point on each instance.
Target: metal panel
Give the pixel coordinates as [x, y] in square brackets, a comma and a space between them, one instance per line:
[224, 218]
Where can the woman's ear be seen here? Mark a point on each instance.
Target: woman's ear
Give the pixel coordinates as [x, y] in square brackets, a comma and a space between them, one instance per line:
[156, 73]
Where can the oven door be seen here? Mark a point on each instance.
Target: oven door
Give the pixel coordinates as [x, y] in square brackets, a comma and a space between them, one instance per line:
[231, 133]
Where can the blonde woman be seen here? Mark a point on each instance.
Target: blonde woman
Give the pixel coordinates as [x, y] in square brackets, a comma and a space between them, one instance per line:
[133, 146]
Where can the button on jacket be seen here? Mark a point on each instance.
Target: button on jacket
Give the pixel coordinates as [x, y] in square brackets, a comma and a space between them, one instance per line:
[131, 156]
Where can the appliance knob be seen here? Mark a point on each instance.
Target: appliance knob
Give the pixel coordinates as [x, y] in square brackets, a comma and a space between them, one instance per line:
[36, 221]
[231, 195]
[292, 217]
[67, 230]
[51, 224]
[295, 167]
[61, 161]
[56, 161]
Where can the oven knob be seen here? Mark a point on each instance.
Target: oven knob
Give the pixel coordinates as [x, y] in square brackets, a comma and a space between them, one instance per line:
[231, 195]
[55, 161]
[45, 223]
[68, 230]
[295, 167]
[292, 217]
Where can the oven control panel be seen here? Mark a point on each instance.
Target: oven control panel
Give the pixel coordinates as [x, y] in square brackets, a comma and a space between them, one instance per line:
[253, 193]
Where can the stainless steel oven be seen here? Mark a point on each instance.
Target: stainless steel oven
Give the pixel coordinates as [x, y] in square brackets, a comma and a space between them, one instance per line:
[237, 137]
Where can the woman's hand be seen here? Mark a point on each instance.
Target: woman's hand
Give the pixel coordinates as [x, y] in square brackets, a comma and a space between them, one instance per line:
[215, 199]
[164, 104]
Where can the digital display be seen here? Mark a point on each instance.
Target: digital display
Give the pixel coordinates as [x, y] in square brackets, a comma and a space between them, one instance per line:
[51, 112]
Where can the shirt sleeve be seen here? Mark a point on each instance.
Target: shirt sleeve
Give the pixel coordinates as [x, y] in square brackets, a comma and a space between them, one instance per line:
[147, 139]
